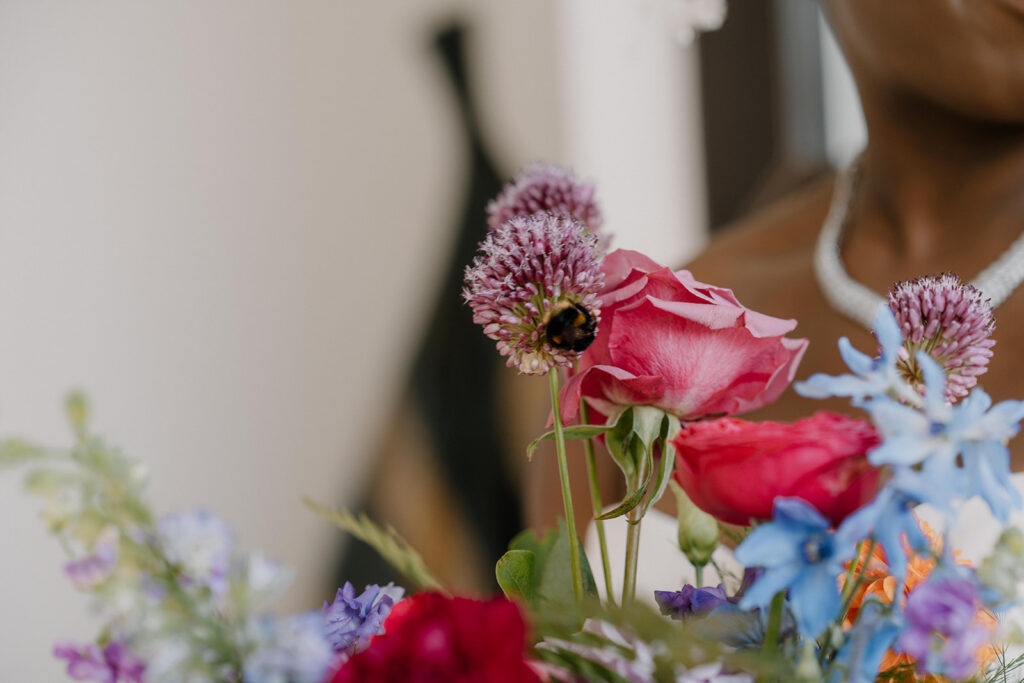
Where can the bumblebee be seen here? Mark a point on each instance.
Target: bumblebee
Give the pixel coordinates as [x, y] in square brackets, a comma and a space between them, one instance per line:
[570, 327]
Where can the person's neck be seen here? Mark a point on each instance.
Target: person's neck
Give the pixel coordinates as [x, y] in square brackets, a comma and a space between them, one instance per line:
[935, 185]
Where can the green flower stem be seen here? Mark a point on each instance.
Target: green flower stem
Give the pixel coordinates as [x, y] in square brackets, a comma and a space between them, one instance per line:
[771, 636]
[632, 554]
[596, 505]
[563, 473]
[633, 519]
[699, 574]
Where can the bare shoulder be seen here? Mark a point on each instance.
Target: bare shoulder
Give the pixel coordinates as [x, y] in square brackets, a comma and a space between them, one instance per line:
[766, 257]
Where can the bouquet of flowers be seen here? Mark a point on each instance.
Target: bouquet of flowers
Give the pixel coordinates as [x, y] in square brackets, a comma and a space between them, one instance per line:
[842, 581]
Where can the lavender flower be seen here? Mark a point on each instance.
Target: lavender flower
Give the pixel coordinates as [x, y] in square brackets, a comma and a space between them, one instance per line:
[294, 650]
[949, 320]
[353, 621]
[943, 632]
[111, 664]
[534, 289]
[690, 601]
[546, 188]
[92, 570]
[198, 544]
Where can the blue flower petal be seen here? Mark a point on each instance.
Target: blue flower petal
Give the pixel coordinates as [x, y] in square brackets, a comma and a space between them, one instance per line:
[858, 362]
[887, 331]
[770, 583]
[814, 598]
[769, 545]
[796, 512]
[934, 383]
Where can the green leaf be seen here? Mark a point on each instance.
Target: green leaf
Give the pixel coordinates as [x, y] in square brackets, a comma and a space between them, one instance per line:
[628, 503]
[556, 572]
[571, 432]
[619, 442]
[670, 427]
[15, 452]
[647, 423]
[515, 574]
[386, 541]
[76, 406]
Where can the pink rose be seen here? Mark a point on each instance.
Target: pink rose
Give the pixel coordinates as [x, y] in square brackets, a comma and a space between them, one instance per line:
[735, 469]
[669, 341]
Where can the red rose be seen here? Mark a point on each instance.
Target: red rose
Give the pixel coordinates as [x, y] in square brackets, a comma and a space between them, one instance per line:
[734, 469]
[669, 341]
[431, 638]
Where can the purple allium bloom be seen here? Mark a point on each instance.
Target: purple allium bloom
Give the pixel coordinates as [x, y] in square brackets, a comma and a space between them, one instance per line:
[294, 650]
[353, 621]
[949, 320]
[531, 269]
[112, 664]
[691, 600]
[943, 632]
[199, 545]
[546, 188]
[90, 571]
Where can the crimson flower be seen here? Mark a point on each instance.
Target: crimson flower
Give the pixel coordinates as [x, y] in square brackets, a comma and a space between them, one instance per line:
[431, 638]
[734, 469]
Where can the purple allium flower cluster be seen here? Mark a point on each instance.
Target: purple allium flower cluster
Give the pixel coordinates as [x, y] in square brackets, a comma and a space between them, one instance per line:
[950, 321]
[690, 601]
[943, 632]
[546, 188]
[352, 621]
[531, 269]
[199, 545]
[111, 664]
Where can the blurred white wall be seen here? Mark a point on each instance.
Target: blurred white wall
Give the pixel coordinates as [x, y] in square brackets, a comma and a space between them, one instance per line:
[219, 218]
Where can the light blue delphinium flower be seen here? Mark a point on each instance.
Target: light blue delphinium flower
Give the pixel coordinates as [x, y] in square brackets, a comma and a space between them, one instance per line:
[198, 544]
[799, 553]
[872, 377]
[889, 518]
[866, 644]
[939, 433]
[292, 650]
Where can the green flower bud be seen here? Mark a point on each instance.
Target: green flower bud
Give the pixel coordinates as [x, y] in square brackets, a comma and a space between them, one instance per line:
[698, 531]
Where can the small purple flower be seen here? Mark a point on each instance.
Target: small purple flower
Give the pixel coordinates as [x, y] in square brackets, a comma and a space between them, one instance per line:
[534, 288]
[353, 621]
[90, 571]
[112, 664]
[546, 188]
[943, 632]
[949, 320]
[691, 601]
[198, 544]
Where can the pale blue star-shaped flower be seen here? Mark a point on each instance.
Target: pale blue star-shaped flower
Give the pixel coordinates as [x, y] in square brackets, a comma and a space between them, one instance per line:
[890, 517]
[872, 377]
[866, 644]
[938, 434]
[798, 553]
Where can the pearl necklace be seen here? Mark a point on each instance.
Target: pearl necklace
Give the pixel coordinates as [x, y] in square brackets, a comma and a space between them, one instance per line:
[859, 303]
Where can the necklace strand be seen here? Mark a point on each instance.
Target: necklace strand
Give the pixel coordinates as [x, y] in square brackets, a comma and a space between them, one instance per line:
[858, 302]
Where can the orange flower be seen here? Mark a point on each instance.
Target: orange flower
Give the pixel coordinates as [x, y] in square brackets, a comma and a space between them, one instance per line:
[882, 585]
